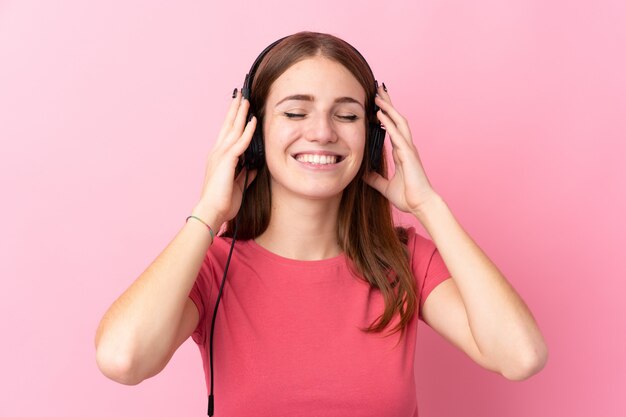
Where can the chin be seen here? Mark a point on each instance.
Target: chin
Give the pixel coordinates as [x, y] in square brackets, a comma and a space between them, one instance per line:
[309, 191]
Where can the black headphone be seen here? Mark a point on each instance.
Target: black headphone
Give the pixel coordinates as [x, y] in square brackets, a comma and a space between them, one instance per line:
[254, 156]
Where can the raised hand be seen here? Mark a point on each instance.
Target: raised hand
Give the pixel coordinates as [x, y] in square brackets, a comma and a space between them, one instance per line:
[408, 188]
[222, 192]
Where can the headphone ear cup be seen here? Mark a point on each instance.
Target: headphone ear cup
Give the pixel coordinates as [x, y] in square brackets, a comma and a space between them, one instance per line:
[254, 155]
[376, 142]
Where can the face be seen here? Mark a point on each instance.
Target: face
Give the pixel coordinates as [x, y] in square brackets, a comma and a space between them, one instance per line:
[314, 129]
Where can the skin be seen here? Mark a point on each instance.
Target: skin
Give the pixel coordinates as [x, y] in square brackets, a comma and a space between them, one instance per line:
[305, 200]
[477, 310]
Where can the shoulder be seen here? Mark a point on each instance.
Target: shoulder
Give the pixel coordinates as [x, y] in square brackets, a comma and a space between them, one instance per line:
[220, 248]
[425, 262]
[418, 247]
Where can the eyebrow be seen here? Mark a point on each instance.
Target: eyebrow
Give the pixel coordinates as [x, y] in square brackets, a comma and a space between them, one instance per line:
[307, 97]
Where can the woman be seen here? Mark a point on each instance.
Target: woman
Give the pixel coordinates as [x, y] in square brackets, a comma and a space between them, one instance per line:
[318, 272]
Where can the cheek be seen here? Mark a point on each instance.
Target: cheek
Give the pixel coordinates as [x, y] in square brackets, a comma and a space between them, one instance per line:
[275, 148]
[358, 140]
[276, 138]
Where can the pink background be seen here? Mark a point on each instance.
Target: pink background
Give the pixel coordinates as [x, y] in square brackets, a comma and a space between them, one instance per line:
[108, 109]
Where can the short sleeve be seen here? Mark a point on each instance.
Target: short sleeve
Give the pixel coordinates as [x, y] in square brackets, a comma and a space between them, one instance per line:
[427, 264]
[200, 295]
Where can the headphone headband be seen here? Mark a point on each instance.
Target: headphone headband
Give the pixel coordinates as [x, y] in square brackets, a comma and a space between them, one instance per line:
[247, 84]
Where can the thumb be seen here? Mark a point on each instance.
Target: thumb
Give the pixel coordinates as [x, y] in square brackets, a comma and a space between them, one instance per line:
[241, 178]
[376, 181]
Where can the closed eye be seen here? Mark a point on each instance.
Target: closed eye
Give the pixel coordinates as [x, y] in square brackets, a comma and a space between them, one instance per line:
[293, 115]
[298, 115]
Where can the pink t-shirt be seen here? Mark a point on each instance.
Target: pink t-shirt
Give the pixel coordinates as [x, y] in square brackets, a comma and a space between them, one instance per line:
[287, 339]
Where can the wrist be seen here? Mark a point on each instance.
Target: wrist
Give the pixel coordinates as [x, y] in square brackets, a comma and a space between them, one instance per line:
[200, 223]
[433, 203]
[208, 216]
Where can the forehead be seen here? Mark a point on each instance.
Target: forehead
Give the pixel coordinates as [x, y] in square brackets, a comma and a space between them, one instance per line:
[317, 76]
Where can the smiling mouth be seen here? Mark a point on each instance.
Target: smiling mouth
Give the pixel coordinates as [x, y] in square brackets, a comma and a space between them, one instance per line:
[318, 159]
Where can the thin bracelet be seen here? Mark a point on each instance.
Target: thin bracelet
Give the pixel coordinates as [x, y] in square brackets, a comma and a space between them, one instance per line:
[203, 222]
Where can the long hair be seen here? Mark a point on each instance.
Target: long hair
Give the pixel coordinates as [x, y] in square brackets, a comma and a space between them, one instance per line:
[366, 233]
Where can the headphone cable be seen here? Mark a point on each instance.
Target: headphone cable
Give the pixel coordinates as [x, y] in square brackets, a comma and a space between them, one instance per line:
[219, 295]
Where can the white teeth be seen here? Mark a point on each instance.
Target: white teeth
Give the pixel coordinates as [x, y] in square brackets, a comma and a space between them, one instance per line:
[317, 159]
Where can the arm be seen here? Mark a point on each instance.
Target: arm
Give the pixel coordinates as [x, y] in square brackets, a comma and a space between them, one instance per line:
[143, 328]
[477, 310]
[140, 332]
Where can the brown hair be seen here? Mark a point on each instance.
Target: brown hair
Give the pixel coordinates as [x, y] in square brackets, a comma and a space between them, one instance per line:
[365, 230]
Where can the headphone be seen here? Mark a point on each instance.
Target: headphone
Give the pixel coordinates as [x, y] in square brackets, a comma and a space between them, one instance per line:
[254, 156]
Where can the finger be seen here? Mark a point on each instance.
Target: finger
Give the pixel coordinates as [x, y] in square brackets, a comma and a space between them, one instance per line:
[376, 181]
[382, 92]
[241, 178]
[241, 118]
[240, 145]
[230, 115]
[399, 121]
[394, 155]
[397, 137]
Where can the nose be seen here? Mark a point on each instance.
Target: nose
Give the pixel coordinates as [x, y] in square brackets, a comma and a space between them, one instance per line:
[321, 129]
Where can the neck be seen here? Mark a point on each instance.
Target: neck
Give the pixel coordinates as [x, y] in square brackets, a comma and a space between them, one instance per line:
[303, 229]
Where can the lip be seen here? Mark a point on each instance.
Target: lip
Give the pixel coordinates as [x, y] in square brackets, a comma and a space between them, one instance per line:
[319, 167]
[326, 153]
